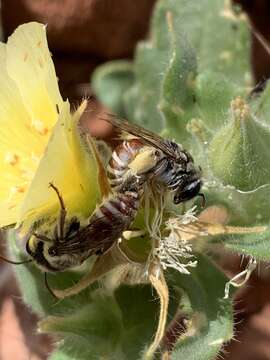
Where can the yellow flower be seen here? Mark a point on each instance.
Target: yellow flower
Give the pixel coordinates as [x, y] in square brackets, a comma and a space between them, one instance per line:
[40, 141]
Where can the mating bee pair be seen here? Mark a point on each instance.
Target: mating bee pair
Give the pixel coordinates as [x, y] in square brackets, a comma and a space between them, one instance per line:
[142, 158]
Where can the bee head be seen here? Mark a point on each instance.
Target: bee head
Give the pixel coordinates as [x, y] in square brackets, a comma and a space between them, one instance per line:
[37, 249]
[44, 250]
[187, 192]
[189, 186]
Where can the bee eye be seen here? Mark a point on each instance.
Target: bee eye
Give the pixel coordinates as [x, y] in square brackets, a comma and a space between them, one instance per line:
[52, 251]
[188, 192]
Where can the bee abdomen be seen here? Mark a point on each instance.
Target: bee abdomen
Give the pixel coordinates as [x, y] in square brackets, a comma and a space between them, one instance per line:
[110, 220]
[119, 162]
[121, 207]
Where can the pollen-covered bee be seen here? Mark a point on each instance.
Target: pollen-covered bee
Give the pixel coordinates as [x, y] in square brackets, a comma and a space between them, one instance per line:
[72, 243]
[163, 161]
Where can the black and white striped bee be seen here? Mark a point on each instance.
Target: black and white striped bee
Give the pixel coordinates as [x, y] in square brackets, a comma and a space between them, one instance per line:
[164, 162]
[72, 243]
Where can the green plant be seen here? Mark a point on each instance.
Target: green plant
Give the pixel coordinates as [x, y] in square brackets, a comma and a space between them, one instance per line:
[190, 81]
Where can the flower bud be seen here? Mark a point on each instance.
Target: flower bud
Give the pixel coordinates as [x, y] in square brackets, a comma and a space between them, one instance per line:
[239, 153]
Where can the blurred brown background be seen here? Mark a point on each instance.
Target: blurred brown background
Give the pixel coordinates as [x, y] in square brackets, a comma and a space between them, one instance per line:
[81, 35]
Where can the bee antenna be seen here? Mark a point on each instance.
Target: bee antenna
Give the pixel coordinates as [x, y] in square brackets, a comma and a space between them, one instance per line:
[48, 286]
[203, 199]
[15, 262]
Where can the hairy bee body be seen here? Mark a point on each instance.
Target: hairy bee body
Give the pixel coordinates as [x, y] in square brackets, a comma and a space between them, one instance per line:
[160, 161]
[106, 225]
[121, 157]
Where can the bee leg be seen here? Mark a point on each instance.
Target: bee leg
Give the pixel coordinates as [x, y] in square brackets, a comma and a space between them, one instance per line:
[104, 184]
[48, 286]
[63, 212]
[56, 233]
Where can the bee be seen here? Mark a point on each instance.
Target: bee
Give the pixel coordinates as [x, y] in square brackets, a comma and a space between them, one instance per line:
[72, 241]
[73, 244]
[164, 162]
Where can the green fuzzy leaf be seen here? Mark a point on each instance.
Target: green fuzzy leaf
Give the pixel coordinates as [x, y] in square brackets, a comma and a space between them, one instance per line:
[213, 316]
[244, 208]
[61, 354]
[172, 78]
[74, 348]
[110, 82]
[256, 245]
[139, 312]
[220, 38]
[165, 68]
[140, 307]
[94, 322]
[163, 92]
[95, 327]
[116, 326]
[141, 100]
[214, 93]
[177, 96]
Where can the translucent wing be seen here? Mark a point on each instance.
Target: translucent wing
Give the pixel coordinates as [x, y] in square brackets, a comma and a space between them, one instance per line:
[92, 238]
[147, 137]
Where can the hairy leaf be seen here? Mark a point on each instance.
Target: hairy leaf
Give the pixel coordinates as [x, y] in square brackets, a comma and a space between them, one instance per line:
[211, 317]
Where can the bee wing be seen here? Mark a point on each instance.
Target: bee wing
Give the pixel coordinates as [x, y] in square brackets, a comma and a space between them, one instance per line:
[147, 137]
[92, 238]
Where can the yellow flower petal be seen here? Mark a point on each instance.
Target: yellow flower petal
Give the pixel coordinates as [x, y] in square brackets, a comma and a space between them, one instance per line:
[33, 150]
[28, 97]
[30, 65]
[20, 148]
[68, 164]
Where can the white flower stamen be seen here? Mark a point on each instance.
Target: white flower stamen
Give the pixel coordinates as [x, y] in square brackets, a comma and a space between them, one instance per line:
[174, 251]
